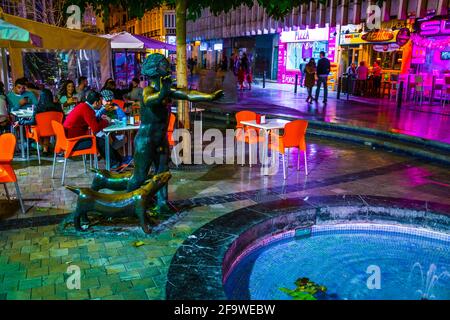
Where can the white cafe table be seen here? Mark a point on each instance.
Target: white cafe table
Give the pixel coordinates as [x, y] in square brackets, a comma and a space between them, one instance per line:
[26, 114]
[269, 125]
[21, 114]
[117, 128]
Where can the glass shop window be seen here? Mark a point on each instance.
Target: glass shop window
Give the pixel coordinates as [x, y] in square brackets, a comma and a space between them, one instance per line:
[387, 60]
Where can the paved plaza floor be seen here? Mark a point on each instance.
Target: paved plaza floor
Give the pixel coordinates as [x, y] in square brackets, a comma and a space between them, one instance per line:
[35, 251]
[37, 248]
[424, 121]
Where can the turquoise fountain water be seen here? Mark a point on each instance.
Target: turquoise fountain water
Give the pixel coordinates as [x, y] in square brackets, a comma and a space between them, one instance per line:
[342, 258]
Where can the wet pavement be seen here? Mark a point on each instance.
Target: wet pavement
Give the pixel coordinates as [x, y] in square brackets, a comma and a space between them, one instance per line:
[424, 121]
[35, 249]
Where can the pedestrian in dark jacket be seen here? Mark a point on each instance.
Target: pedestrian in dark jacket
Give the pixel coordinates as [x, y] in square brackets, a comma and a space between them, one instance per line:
[323, 70]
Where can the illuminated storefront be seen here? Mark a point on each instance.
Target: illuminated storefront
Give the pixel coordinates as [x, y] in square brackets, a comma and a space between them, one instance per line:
[295, 46]
[431, 46]
[389, 46]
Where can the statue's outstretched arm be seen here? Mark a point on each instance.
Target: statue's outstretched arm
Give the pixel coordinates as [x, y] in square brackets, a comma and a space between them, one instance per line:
[195, 96]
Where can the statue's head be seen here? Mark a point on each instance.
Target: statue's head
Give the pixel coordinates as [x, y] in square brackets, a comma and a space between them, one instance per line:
[155, 66]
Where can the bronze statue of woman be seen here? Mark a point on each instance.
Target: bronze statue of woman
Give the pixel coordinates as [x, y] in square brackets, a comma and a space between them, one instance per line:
[151, 144]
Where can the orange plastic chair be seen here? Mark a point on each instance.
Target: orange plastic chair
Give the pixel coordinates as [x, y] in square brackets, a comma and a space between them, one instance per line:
[43, 128]
[245, 134]
[293, 137]
[7, 174]
[67, 146]
[170, 129]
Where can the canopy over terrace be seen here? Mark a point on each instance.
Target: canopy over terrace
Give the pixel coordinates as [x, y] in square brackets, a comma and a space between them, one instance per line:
[10, 32]
[55, 38]
[125, 40]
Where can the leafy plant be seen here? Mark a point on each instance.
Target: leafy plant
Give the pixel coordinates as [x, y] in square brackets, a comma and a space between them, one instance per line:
[305, 290]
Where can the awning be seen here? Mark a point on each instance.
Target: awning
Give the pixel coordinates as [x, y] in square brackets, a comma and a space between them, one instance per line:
[55, 38]
[125, 40]
[11, 32]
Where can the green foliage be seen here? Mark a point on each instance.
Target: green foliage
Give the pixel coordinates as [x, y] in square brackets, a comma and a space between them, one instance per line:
[275, 8]
[305, 290]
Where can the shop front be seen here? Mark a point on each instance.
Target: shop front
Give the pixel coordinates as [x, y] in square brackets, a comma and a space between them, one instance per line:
[431, 46]
[389, 47]
[296, 47]
[208, 53]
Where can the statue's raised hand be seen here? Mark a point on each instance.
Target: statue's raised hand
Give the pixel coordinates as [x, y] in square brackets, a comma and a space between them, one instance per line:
[165, 84]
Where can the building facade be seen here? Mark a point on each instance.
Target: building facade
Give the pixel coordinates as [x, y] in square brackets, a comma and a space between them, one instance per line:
[251, 30]
[158, 24]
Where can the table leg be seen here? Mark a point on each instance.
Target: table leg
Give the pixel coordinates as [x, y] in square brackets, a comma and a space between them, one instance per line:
[107, 158]
[22, 147]
[265, 166]
[130, 151]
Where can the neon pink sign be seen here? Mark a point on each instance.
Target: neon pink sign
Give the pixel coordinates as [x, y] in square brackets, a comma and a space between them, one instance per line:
[434, 28]
[286, 74]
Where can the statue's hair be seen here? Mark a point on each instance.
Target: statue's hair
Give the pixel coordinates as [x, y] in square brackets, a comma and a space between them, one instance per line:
[151, 65]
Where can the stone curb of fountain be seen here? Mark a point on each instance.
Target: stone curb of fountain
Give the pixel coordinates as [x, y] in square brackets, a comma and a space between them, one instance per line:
[202, 260]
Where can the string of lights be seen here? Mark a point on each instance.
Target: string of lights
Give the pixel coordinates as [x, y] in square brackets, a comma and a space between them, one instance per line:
[430, 43]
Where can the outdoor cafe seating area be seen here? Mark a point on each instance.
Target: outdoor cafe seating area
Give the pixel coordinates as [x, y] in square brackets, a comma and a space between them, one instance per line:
[421, 88]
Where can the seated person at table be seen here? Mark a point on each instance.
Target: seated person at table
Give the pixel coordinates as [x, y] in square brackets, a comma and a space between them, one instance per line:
[46, 103]
[68, 96]
[82, 89]
[82, 118]
[4, 116]
[20, 98]
[116, 114]
[135, 93]
[110, 84]
[109, 108]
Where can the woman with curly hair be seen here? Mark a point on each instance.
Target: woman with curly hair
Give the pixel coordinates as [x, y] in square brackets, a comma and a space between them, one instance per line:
[67, 96]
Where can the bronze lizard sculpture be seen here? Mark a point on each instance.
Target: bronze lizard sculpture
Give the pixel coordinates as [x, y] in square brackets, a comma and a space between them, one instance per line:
[105, 179]
[118, 205]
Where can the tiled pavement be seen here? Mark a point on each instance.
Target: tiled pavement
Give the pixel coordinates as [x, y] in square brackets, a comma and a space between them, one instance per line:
[33, 261]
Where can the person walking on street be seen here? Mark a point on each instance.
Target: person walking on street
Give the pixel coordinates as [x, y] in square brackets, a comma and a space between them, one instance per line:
[224, 63]
[302, 67]
[310, 78]
[245, 62]
[323, 70]
[241, 77]
[190, 63]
